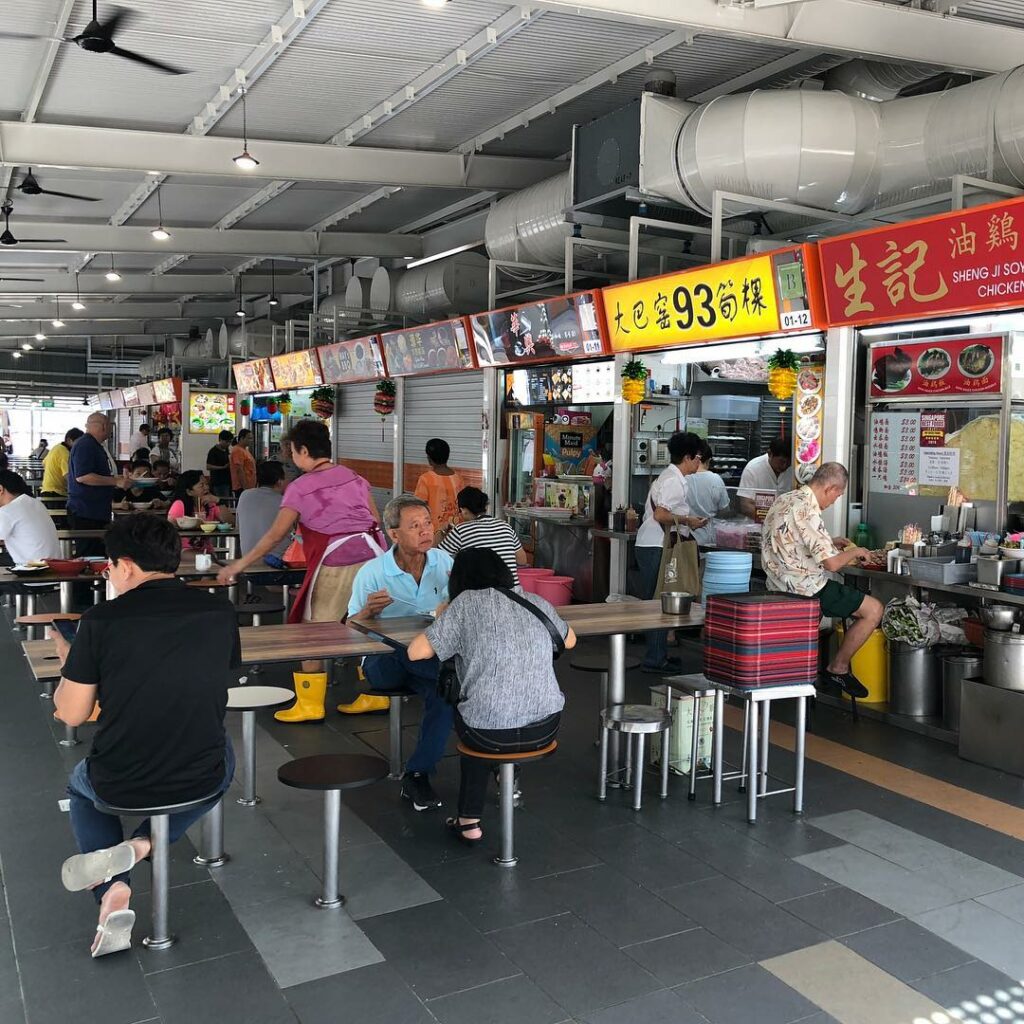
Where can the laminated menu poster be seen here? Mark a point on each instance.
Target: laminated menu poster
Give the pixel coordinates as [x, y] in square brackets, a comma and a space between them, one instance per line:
[351, 360]
[970, 365]
[894, 449]
[254, 377]
[296, 370]
[167, 390]
[568, 327]
[435, 348]
[146, 394]
[210, 412]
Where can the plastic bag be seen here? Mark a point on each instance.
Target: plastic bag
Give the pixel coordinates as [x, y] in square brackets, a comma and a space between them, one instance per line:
[921, 624]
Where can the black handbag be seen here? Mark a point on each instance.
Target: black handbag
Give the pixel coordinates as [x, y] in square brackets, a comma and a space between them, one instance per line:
[449, 686]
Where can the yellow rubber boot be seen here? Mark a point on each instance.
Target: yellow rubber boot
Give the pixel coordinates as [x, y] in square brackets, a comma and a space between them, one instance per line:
[310, 691]
[365, 703]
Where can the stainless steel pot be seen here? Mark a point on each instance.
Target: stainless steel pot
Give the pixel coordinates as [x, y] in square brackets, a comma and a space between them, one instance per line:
[676, 602]
[1004, 660]
[915, 680]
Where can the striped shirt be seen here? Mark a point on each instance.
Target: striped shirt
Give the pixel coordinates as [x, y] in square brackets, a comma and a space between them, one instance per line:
[485, 532]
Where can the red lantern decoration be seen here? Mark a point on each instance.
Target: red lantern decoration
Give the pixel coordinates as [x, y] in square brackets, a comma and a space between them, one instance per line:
[384, 401]
[272, 406]
[243, 407]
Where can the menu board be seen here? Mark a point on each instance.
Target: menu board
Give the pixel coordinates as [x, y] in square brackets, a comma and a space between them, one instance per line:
[130, 396]
[431, 349]
[147, 395]
[593, 382]
[106, 401]
[808, 420]
[354, 359]
[168, 390]
[895, 439]
[968, 365]
[116, 399]
[569, 327]
[296, 370]
[210, 412]
[254, 377]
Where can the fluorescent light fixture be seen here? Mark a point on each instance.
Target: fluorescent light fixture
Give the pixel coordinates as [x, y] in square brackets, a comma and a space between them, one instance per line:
[441, 255]
[15, 355]
[273, 301]
[39, 337]
[435, 4]
[153, 173]
[57, 322]
[27, 346]
[798, 343]
[917, 325]
[240, 313]
[160, 233]
[112, 274]
[78, 305]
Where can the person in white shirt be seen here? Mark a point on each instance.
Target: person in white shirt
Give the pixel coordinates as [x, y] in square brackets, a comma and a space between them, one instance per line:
[165, 452]
[141, 438]
[26, 527]
[667, 502]
[707, 496]
[770, 473]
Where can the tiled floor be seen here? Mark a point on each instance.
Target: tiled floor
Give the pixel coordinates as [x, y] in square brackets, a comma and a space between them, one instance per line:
[877, 906]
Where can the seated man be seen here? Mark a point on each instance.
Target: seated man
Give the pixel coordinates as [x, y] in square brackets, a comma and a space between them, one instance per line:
[410, 579]
[799, 557]
[160, 736]
[26, 528]
[258, 508]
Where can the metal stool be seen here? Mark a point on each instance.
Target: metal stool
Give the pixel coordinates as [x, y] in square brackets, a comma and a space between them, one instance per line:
[635, 720]
[396, 695]
[161, 937]
[506, 790]
[248, 700]
[596, 661]
[255, 609]
[331, 773]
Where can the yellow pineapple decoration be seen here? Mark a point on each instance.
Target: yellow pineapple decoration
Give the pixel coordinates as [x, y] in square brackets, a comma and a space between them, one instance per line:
[782, 370]
[634, 381]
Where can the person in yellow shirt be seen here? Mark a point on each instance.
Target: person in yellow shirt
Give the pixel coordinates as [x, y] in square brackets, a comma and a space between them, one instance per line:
[439, 486]
[55, 466]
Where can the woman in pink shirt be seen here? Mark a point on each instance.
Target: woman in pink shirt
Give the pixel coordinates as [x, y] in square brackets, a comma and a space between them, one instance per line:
[192, 497]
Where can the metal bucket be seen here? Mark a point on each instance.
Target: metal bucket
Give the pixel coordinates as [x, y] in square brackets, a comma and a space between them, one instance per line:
[915, 681]
[1004, 660]
[955, 669]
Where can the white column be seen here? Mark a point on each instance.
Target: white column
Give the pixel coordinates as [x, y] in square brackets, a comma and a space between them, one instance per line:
[840, 401]
[398, 439]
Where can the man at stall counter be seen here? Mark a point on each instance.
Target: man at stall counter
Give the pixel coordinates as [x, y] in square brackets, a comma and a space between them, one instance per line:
[55, 466]
[770, 473]
[164, 452]
[799, 557]
[410, 579]
[218, 465]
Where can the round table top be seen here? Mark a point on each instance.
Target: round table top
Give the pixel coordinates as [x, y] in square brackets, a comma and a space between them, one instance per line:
[248, 698]
[636, 718]
[333, 771]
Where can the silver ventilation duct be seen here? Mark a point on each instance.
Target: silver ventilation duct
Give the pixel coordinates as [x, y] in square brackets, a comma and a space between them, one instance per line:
[877, 81]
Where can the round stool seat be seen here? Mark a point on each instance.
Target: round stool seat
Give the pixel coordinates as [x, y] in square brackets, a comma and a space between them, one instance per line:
[209, 584]
[148, 812]
[258, 608]
[250, 698]
[333, 771]
[390, 691]
[597, 662]
[634, 718]
[519, 758]
[46, 618]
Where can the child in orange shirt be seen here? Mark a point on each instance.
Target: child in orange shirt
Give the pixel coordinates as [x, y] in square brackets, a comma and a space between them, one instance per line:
[439, 486]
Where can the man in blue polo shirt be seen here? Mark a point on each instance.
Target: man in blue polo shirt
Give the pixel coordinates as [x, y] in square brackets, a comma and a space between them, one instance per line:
[410, 579]
[92, 477]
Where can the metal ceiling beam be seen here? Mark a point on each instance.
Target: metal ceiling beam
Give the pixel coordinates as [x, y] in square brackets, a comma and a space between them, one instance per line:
[112, 311]
[210, 242]
[90, 285]
[54, 145]
[862, 28]
[99, 328]
[752, 78]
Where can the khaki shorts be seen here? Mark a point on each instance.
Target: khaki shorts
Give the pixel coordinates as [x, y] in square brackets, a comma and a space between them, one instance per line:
[330, 597]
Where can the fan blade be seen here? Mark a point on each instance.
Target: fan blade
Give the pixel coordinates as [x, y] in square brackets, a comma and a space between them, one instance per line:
[68, 195]
[39, 241]
[22, 279]
[29, 35]
[119, 19]
[147, 61]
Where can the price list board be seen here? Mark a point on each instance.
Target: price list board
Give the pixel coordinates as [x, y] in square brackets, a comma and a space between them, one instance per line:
[895, 441]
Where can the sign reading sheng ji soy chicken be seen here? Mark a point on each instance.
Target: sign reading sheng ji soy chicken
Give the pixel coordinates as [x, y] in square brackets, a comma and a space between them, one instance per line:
[956, 262]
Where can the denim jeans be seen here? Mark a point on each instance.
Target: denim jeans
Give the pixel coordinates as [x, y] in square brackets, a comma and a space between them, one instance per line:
[388, 670]
[648, 560]
[96, 830]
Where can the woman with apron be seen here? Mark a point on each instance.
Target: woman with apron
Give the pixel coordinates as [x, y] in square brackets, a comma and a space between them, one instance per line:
[339, 524]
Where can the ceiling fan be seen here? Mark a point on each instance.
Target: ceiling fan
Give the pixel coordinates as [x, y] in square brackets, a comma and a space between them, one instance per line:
[39, 279]
[98, 37]
[30, 186]
[7, 238]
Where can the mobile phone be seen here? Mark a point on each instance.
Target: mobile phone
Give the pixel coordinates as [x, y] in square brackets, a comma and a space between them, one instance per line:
[68, 628]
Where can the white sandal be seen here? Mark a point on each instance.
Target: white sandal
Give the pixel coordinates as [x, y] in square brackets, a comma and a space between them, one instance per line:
[85, 870]
[115, 933]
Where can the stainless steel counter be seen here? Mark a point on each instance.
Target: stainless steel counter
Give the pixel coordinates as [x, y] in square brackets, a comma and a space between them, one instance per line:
[946, 588]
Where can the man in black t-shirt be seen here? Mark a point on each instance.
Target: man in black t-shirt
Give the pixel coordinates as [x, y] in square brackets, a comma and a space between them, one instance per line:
[160, 735]
[217, 465]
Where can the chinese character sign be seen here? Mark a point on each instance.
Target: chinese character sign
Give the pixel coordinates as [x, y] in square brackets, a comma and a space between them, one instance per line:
[968, 365]
[956, 262]
[893, 449]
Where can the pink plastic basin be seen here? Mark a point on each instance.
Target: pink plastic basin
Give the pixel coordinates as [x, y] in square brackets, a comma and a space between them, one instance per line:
[557, 590]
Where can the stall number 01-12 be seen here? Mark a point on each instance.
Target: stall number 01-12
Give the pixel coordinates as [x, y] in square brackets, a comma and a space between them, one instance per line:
[796, 318]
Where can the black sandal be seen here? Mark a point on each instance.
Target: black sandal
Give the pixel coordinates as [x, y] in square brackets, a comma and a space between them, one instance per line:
[459, 831]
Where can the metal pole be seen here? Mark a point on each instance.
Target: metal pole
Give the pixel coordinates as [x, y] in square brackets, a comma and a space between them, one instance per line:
[666, 747]
[331, 898]
[752, 765]
[694, 746]
[160, 860]
[766, 713]
[801, 736]
[602, 781]
[716, 755]
[638, 787]
[249, 797]
[70, 736]
[507, 785]
[395, 738]
[616, 692]
[65, 598]
[211, 854]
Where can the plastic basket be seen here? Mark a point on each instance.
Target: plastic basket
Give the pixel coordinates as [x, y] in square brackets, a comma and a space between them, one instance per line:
[942, 570]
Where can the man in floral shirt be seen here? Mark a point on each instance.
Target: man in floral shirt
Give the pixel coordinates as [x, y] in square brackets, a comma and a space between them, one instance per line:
[799, 557]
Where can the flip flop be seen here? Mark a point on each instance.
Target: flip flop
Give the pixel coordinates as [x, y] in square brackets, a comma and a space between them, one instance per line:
[115, 933]
[85, 870]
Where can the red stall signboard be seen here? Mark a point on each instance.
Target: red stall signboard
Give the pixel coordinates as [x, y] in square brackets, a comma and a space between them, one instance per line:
[968, 365]
[355, 359]
[430, 349]
[253, 377]
[964, 261]
[569, 327]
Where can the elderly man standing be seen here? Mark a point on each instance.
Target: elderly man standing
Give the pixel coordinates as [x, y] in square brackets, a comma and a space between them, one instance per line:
[92, 477]
[799, 557]
[411, 578]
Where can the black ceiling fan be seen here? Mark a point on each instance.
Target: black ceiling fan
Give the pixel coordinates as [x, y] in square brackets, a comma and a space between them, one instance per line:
[30, 187]
[9, 279]
[98, 37]
[7, 238]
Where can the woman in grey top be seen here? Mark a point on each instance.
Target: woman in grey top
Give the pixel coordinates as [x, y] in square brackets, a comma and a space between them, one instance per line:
[503, 654]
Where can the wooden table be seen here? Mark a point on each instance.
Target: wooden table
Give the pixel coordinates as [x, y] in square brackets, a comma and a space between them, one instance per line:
[66, 537]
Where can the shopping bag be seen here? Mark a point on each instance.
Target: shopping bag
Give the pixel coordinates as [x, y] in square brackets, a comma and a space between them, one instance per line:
[294, 555]
[680, 565]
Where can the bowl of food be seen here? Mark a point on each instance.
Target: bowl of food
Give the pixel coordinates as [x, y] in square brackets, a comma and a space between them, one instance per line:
[144, 481]
[187, 522]
[67, 566]
[999, 617]
[208, 527]
[142, 506]
[223, 527]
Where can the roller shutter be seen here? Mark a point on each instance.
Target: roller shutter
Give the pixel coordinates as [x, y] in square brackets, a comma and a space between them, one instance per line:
[357, 429]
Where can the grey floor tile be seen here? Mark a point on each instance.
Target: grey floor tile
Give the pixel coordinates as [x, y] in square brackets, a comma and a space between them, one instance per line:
[375, 880]
[647, 858]
[729, 998]
[619, 908]
[368, 995]
[63, 983]
[982, 932]
[750, 923]
[690, 956]
[299, 942]
[664, 1007]
[512, 1001]
[906, 950]
[235, 987]
[1009, 902]
[960, 988]
[575, 965]
[437, 950]
[839, 911]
